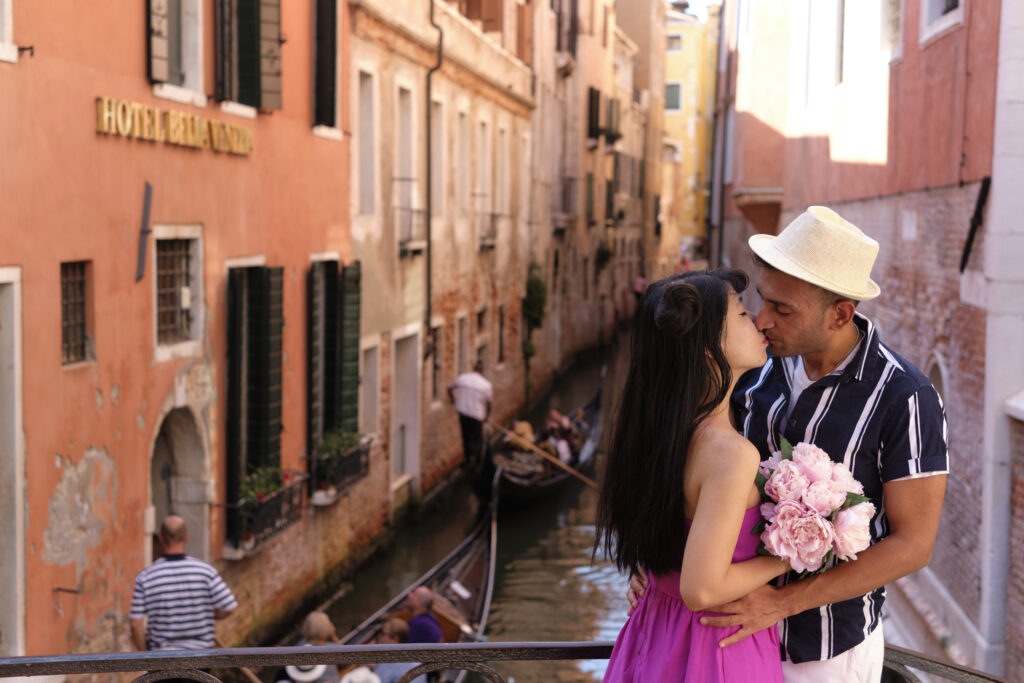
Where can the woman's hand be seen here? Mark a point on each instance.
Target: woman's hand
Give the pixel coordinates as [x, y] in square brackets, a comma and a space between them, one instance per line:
[637, 587]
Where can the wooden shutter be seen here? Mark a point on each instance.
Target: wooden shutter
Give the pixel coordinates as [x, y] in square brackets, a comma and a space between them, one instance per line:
[325, 95]
[233, 424]
[349, 359]
[491, 13]
[270, 54]
[524, 32]
[264, 346]
[158, 47]
[593, 113]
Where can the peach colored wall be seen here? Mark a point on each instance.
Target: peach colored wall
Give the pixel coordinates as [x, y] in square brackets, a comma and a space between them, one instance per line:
[69, 193]
[938, 113]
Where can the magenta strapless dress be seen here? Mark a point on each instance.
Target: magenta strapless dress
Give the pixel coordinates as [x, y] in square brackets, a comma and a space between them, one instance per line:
[664, 641]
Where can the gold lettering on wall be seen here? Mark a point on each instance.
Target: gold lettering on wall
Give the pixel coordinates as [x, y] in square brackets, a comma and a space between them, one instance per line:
[136, 120]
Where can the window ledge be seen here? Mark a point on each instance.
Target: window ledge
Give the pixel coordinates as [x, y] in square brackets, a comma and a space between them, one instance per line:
[941, 26]
[238, 109]
[177, 93]
[186, 349]
[8, 53]
[327, 132]
[79, 364]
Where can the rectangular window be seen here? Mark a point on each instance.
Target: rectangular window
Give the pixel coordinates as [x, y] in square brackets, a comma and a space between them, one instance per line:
[8, 51]
[74, 317]
[463, 346]
[404, 181]
[501, 333]
[325, 93]
[370, 384]
[249, 52]
[174, 270]
[255, 327]
[322, 338]
[590, 197]
[481, 357]
[367, 176]
[674, 43]
[463, 168]
[673, 96]
[593, 113]
[501, 205]
[436, 377]
[437, 166]
[481, 321]
[484, 177]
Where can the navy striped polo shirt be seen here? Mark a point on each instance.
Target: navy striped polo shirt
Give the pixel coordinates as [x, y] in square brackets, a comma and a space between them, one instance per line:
[177, 594]
[883, 419]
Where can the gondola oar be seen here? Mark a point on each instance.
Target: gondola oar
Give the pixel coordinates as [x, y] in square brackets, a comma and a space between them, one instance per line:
[516, 439]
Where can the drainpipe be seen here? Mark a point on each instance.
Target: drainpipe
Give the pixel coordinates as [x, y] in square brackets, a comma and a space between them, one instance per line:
[726, 148]
[430, 180]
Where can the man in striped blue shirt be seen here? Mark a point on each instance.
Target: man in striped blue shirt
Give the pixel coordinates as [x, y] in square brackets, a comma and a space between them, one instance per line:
[177, 598]
[830, 381]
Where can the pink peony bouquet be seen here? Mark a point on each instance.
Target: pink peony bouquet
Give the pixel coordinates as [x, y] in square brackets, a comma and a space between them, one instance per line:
[813, 509]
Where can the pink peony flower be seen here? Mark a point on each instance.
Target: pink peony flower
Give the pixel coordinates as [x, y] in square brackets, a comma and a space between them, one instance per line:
[841, 475]
[768, 466]
[813, 462]
[853, 530]
[786, 483]
[768, 512]
[800, 536]
[824, 496]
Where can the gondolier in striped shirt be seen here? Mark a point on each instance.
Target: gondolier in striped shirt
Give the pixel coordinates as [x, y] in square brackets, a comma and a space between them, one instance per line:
[830, 381]
[177, 598]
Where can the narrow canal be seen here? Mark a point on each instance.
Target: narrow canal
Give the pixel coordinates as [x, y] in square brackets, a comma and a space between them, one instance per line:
[546, 587]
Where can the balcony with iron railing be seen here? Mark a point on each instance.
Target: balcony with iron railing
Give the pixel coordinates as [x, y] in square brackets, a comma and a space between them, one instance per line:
[900, 664]
[488, 229]
[565, 202]
[411, 228]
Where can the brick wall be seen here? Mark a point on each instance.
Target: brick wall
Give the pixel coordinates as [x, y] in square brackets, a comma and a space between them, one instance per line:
[1015, 584]
[920, 314]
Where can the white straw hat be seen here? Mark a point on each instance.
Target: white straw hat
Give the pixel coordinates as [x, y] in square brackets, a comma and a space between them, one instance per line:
[823, 248]
[305, 672]
[360, 674]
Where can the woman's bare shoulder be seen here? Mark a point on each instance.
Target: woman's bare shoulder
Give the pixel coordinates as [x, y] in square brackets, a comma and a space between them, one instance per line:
[724, 445]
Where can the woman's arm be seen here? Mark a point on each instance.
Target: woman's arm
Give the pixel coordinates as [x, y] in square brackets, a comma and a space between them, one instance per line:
[708, 575]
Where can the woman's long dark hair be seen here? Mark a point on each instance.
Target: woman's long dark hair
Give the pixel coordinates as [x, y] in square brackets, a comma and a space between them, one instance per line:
[678, 375]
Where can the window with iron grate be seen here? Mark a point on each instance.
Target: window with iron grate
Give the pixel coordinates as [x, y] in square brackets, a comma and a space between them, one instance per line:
[74, 312]
[174, 290]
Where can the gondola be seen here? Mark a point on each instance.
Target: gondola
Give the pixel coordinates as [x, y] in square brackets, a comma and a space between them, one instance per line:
[462, 584]
[526, 476]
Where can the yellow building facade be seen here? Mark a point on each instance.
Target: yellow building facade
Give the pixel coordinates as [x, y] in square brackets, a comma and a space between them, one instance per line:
[691, 47]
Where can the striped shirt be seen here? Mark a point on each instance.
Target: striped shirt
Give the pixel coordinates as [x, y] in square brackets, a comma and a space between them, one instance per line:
[177, 594]
[882, 418]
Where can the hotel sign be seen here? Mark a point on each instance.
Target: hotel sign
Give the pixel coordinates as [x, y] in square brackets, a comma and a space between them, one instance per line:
[135, 120]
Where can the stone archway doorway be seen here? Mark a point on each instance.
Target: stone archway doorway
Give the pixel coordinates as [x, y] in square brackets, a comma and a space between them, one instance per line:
[178, 481]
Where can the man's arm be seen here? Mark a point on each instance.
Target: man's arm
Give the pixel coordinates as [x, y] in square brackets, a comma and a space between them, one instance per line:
[139, 634]
[219, 613]
[913, 507]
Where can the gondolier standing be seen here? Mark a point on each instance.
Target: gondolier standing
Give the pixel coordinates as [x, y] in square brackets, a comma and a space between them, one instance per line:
[472, 395]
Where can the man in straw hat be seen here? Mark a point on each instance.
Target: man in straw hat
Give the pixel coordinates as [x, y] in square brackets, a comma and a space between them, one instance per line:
[830, 381]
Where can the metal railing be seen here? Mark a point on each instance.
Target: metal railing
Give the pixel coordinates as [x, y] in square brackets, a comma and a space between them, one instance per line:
[476, 657]
[410, 225]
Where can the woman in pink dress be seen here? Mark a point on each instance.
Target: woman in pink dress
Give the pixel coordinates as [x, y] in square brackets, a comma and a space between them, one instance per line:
[678, 498]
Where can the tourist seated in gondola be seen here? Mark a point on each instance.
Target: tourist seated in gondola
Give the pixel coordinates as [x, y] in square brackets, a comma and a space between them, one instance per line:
[317, 629]
[423, 626]
[395, 631]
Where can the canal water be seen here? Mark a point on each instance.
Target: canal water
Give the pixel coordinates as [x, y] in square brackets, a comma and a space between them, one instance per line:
[546, 586]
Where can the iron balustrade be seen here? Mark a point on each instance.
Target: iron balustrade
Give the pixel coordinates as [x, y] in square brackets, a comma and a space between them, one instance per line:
[476, 657]
[260, 519]
[410, 224]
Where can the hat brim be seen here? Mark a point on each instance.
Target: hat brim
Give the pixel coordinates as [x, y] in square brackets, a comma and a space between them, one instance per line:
[764, 247]
[304, 675]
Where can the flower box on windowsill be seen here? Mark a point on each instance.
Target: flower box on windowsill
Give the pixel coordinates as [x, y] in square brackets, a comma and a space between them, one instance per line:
[261, 518]
[333, 472]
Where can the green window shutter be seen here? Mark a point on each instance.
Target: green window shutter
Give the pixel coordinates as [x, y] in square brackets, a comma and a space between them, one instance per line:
[159, 34]
[235, 400]
[270, 54]
[325, 94]
[314, 357]
[263, 380]
[593, 113]
[349, 347]
[590, 197]
[247, 52]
